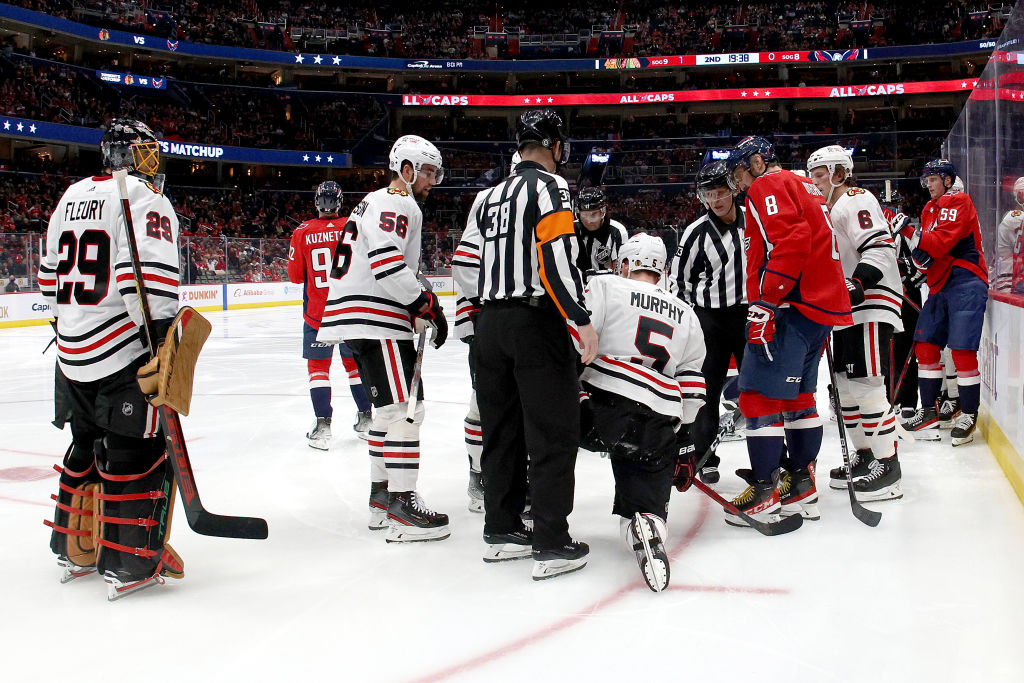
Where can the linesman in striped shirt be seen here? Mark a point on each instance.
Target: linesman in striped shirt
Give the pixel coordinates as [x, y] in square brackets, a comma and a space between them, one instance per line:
[708, 273]
[532, 309]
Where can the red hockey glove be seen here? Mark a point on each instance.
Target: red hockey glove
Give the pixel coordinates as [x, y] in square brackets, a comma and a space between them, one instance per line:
[761, 328]
[427, 311]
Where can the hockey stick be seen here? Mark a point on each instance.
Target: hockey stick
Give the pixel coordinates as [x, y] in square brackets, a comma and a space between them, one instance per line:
[199, 519]
[783, 526]
[414, 387]
[869, 517]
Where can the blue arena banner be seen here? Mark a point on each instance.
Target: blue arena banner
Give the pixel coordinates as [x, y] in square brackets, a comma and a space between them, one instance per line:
[132, 79]
[306, 59]
[27, 129]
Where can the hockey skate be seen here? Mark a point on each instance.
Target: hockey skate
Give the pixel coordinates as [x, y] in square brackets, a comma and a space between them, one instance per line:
[881, 483]
[861, 463]
[798, 493]
[733, 423]
[645, 534]
[963, 428]
[924, 425]
[949, 409]
[69, 571]
[120, 584]
[320, 436]
[378, 505]
[475, 491]
[504, 547]
[410, 520]
[760, 500]
[571, 557]
[362, 425]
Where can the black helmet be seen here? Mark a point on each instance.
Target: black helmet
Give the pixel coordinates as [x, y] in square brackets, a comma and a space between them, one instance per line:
[328, 197]
[544, 127]
[590, 199]
[130, 144]
[710, 176]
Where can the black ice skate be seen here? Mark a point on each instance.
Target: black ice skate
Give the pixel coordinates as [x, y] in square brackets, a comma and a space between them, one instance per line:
[475, 491]
[646, 537]
[949, 409]
[378, 505]
[320, 436]
[759, 500]
[881, 483]
[410, 520]
[362, 424]
[798, 494]
[861, 463]
[517, 545]
[924, 425]
[963, 428]
[571, 557]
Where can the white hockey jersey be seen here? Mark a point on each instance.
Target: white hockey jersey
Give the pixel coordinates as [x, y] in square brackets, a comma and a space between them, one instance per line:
[1009, 266]
[863, 235]
[373, 275]
[650, 347]
[86, 274]
[466, 270]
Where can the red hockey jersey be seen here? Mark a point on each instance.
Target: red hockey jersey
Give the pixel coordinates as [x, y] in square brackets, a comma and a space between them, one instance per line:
[310, 256]
[951, 235]
[792, 254]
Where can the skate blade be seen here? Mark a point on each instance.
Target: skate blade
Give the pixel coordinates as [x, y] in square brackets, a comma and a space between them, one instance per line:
[475, 505]
[416, 534]
[963, 442]
[654, 567]
[320, 445]
[378, 519]
[549, 569]
[68, 574]
[894, 492]
[736, 520]
[116, 592]
[809, 512]
[507, 552]
[927, 435]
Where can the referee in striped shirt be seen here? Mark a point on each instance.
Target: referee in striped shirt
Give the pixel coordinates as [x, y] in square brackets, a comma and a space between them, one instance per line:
[532, 312]
[708, 273]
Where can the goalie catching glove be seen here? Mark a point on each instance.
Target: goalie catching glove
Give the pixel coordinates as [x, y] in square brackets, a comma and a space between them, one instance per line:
[167, 378]
[427, 312]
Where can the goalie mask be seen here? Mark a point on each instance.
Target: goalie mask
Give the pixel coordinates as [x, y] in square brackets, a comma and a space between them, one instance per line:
[130, 144]
[328, 197]
[644, 252]
[419, 153]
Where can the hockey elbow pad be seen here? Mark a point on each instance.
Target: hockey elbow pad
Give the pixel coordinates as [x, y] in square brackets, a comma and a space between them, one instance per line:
[867, 274]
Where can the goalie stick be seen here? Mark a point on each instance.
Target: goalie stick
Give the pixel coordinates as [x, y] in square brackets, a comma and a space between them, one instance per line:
[199, 518]
[869, 517]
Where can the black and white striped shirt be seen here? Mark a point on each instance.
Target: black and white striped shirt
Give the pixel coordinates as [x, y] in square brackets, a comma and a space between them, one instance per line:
[599, 249]
[710, 262]
[520, 238]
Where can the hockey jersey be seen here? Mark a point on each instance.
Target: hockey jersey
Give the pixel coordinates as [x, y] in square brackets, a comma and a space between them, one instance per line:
[373, 274]
[1009, 275]
[599, 248]
[310, 256]
[466, 271]
[951, 236]
[86, 274]
[650, 346]
[863, 235]
[792, 256]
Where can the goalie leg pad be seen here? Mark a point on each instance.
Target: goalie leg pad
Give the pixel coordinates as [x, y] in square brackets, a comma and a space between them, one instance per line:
[135, 509]
[72, 539]
[168, 377]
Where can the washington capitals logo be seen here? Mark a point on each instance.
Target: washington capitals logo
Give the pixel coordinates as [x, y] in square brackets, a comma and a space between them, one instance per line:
[843, 56]
[172, 45]
[158, 82]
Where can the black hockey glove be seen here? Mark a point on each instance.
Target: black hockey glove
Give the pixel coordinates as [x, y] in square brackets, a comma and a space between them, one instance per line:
[686, 460]
[426, 310]
[856, 290]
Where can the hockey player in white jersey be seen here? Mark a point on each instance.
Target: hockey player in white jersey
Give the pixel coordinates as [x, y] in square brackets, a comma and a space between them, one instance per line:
[644, 384]
[116, 489]
[375, 304]
[867, 252]
[1009, 268]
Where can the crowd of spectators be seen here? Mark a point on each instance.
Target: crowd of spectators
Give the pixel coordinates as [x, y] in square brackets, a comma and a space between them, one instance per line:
[445, 28]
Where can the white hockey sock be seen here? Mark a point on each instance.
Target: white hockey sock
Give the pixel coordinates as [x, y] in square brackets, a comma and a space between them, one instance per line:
[474, 434]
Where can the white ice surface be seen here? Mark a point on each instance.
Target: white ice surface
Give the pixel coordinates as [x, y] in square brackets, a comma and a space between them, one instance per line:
[934, 593]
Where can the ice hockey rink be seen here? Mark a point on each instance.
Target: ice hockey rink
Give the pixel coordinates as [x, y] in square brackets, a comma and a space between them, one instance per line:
[934, 593]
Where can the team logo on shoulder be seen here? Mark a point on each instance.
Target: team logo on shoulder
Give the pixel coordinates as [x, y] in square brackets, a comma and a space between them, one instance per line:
[392, 190]
[153, 187]
[854, 191]
[1016, 212]
[127, 409]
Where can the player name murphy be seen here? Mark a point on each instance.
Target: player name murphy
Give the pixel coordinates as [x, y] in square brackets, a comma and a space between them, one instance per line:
[656, 304]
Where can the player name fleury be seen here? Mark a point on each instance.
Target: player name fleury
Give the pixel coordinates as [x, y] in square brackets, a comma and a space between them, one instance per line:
[649, 302]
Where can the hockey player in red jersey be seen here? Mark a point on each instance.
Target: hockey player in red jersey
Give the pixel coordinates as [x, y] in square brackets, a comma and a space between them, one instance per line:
[947, 246]
[797, 292]
[309, 263]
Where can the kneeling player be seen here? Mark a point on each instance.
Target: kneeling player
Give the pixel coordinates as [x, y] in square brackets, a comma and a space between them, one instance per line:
[868, 256]
[116, 490]
[646, 377]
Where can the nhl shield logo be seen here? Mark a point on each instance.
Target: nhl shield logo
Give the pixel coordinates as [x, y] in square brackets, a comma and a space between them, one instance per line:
[127, 409]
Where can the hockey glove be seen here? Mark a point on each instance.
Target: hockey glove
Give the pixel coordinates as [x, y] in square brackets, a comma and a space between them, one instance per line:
[899, 223]
[856, 290]
[682, 479]
[761, 328]
[426, 310]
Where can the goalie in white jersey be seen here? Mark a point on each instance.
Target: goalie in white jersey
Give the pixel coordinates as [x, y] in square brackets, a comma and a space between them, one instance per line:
[116, 489]
[644, 384]
[375, 304]
[868, 253]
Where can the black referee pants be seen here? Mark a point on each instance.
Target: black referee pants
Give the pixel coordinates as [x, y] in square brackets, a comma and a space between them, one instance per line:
[725, 336]
[526, 388]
